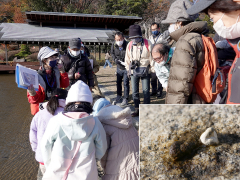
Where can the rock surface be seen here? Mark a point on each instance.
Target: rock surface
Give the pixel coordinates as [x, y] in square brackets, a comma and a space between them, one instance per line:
[168, 131]
[209, 137]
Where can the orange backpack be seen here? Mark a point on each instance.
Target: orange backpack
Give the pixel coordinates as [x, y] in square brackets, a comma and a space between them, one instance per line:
[210, 81]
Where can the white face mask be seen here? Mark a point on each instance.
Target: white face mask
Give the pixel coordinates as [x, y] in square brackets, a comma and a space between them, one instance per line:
[119, 43]
[161, 63]
[171, 28]
[232, 32]
[75, 53]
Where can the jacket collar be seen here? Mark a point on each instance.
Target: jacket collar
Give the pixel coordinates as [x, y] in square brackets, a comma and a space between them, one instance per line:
[197, 27]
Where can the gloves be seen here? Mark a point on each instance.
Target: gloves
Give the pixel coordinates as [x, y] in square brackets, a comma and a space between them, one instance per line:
[31, 90]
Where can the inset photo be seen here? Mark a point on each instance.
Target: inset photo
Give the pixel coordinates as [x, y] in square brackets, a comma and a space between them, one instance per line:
[189, 142]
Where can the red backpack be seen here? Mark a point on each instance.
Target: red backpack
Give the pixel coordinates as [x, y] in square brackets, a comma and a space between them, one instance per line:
[210, 81]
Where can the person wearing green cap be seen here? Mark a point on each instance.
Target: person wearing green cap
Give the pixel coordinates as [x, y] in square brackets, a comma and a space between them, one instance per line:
[225, 15]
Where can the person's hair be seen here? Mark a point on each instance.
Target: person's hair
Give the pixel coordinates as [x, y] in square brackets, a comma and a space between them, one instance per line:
[86, 107]
[162, 48]
[53, 103]
[184, 23]
[154, 23]
[224, 6]
[96, 97]
[119, 33]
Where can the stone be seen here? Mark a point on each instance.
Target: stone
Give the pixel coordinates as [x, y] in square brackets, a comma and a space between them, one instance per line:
[209, 137]
[179, 152]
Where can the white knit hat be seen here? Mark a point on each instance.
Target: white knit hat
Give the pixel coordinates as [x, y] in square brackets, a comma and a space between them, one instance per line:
[79, 92]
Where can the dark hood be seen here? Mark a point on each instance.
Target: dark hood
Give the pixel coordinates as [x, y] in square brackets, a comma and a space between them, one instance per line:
[197, 27]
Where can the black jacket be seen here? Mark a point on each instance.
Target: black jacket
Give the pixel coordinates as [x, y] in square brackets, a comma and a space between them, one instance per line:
[81, 65]
[119, 55]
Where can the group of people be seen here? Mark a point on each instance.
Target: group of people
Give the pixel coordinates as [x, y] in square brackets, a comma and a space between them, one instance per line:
[71, 130]
[173, 59]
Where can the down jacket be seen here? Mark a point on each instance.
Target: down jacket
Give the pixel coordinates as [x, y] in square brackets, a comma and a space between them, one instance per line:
[187, 61]
[38, 126]
[121, 161]
[59, 143]
[81, 65]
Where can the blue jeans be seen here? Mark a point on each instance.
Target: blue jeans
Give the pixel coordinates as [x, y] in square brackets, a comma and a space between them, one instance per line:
[145, 87]
[107, 62]
[156, 85]
[122, 76]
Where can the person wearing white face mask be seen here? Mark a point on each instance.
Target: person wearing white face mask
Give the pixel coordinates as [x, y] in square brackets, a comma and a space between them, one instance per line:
[162, 55]
[188, 57]
[118, 51]
[225, 15]
[77, 65]
[139, 65]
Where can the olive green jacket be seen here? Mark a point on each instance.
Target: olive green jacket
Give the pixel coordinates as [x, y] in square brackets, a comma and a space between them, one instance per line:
[187, 61]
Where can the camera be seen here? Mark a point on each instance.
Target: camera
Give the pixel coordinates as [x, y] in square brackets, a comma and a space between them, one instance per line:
[135, 64]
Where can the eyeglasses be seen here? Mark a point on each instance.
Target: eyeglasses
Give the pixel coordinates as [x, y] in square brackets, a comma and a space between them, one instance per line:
[159, 59]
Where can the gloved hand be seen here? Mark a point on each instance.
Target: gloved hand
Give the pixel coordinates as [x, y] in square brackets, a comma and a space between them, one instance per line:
[31, 90]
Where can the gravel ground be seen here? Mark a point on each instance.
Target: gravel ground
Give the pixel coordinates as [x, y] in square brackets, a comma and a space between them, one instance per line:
[162, 125]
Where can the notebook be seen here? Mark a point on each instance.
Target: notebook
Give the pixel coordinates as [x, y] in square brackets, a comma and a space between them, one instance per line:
[25, 77]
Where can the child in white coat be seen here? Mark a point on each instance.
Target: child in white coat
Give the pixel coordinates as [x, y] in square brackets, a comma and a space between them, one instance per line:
[74, 139]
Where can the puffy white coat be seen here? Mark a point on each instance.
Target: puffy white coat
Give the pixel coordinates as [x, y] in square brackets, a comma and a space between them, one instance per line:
[59, 144]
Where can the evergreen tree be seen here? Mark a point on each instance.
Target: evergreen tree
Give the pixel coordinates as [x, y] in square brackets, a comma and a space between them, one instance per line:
[24, 52]
[126, 7]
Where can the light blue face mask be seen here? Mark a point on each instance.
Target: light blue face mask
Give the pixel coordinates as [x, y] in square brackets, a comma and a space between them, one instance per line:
[82, 51]
[136, 40]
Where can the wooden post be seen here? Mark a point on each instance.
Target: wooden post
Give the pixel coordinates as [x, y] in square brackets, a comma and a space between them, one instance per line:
[6, 52]
[99, 49]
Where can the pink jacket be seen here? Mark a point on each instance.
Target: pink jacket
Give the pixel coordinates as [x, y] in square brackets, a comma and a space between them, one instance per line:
[121, 161]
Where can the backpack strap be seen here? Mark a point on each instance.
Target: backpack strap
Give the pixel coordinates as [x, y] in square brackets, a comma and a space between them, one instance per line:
[77, 149]
[146, 43]
[130, 45]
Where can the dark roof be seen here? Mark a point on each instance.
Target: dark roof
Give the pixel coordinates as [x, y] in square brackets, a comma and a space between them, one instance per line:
[81, 20]
[22, 33]
[81, 15]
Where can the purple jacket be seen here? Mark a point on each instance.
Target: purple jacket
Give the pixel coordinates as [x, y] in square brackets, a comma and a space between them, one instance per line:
[38, 126]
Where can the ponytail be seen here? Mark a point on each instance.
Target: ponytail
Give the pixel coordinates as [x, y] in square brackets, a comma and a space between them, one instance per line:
[52, 105]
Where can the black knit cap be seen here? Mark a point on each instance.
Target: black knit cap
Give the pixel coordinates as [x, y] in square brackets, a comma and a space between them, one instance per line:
[75, 43]
[135, 31]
